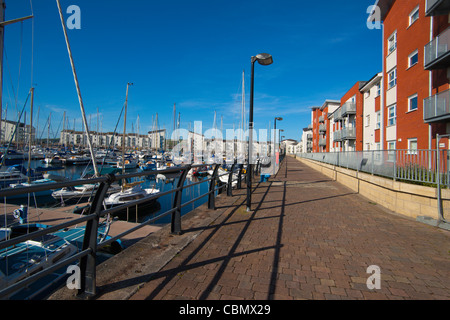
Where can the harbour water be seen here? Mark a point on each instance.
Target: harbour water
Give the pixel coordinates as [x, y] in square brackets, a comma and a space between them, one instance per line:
[163, 204]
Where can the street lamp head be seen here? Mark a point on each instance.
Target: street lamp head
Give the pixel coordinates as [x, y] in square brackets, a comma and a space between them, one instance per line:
[279, 119]
[264, 59]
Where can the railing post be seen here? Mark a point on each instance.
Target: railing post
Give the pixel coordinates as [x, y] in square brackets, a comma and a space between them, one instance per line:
[239, 181]
[230, 182]
[212, 185]
[175, 224]
[395, 166]
[88, 287]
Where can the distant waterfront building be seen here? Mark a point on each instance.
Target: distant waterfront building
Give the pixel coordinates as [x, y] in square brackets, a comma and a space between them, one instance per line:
[153, 140]
[7, 130]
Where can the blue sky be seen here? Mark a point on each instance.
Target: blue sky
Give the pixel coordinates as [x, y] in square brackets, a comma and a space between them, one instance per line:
[191, 53]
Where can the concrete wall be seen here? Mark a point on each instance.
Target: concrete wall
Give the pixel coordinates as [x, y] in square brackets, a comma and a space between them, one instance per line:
[403, 198]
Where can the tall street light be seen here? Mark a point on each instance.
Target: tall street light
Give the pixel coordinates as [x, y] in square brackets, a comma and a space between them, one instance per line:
[275, 144]
[264, 59]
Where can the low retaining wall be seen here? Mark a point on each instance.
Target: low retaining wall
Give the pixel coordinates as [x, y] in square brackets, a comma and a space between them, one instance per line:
[403, 198]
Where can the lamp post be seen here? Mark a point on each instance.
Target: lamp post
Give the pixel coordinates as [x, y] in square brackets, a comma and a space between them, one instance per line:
[264, 59]
[275, 144]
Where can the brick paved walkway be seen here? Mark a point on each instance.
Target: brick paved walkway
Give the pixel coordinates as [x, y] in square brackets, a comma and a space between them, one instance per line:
[307, 238]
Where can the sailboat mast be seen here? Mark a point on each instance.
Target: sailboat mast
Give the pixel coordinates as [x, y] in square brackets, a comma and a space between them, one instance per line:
[2, 39]
[125, 129]
[94, 162]
[30, 135]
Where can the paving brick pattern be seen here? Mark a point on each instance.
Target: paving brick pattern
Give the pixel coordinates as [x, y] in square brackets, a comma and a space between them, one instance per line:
[307, 237]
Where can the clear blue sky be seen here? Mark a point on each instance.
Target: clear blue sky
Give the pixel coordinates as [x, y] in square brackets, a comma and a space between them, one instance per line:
[191, 53]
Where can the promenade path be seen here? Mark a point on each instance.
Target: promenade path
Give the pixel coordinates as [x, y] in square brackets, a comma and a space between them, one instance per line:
[307, 237]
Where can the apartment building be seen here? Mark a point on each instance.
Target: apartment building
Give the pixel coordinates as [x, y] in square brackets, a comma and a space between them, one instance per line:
[437, 62]
[321, 137]
[371, 116]
[346, 123]
[416, 77]
[408, 103]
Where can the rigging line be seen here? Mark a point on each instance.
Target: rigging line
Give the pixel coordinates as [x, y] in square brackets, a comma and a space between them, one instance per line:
[10, 79]
[32, 42]
[20, 60]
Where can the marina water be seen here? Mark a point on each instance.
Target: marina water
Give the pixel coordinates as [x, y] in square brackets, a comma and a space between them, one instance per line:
[163, 204]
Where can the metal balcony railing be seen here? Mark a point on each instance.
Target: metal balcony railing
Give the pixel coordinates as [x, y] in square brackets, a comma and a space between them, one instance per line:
[338, 114]
[321, 119]
[349, 133]
[337, 135]
[437, 52]
[437, 7]
[437, 107]
[322, 142]
[348, 108]
[322, 128]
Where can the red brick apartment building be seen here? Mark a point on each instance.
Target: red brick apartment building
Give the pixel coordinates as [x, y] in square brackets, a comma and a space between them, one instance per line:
[347, 121]
[408, 29]
[410, 97]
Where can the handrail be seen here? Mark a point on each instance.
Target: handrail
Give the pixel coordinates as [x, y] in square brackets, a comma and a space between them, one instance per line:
[92, 218]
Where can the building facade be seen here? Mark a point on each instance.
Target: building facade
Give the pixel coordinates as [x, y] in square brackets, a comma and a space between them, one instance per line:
[406, 105]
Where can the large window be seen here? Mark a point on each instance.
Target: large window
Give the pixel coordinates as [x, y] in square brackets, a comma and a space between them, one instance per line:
[392, 42]
[392, 78]
[378, 120]
[392, 115]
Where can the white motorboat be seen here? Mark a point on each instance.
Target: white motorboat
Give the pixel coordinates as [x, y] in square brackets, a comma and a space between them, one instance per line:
[130, 193]
[80, 192]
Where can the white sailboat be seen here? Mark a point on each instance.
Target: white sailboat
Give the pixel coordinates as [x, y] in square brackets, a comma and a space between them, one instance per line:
[130, 191]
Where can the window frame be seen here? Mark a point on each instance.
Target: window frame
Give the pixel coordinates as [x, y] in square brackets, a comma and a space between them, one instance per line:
[393, 118]
[392, 43]
[413, 54]
[415, 11]
[410, 98]
[410, 150]
[394, 80]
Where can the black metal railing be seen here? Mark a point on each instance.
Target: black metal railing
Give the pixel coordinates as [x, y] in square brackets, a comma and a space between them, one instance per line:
[87, 256]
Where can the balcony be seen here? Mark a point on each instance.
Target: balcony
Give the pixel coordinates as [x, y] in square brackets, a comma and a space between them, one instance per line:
[437, 7]
[322, 142]
[337, 136]
[437, 52]
[348, 108]
[321, 119]
[322, 128]
[437, 108]
[349, 133]
[338, 114]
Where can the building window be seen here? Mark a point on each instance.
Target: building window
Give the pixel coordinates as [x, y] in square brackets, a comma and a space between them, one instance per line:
[392, 42]
[412, 103]
[378, 89]
[392, 115]
[392, 77]
[414, 16]
[412, 146]
[378, 120]
[391, 152]
[413, 58]
[368, 120]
